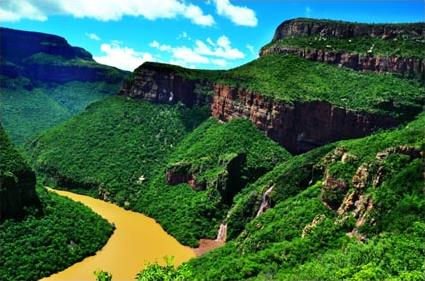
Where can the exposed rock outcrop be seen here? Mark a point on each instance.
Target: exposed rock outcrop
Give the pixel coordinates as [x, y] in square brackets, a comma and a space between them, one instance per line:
[409, 67]
[155, 84]
[300, 126]
[305, 27]
[265, 202]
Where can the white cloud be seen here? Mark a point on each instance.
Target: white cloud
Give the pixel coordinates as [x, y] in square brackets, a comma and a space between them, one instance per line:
[103, 10]
[221, 48]
[213, 52]
[183, 35]
[238, 15]
[93, 36]
[121, 56]
[219, 62]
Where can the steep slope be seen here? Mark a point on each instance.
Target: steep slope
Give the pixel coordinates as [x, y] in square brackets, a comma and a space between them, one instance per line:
[44, 81]
[298, 103]
[355, 214]
[146, 158]
[396, 48]
[17, 181]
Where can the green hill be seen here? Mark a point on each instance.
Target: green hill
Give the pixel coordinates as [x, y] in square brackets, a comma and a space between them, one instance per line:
[44, 81]
[40, 233]
[120, 149]
[357, 215]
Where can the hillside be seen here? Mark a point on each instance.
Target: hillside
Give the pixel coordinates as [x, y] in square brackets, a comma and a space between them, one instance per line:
[44, 81]
[17, 181]
[35, 226]
[356, 213]
[121, 150]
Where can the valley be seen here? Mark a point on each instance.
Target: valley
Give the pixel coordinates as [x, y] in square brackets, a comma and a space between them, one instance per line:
[304, 164]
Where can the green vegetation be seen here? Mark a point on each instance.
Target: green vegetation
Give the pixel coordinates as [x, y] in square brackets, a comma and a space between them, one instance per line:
[115, 145]
[313, 81]
[282, 244]
[190, 215]
[167, 272]
[121, 148]
[10, 160]
[103, 276]
[402, 46]
[48, 240]
[27, 110]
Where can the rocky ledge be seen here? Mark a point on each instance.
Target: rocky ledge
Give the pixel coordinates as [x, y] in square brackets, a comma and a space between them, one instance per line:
[154, 84]
[341, 29]
[298, 126]
[408, 67]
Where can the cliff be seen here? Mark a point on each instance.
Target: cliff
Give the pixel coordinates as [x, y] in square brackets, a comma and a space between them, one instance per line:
[409, 67]
[393, 48]
[159, 84]
[17, 181]
[341, 29]
[298, 126]
[49, 58]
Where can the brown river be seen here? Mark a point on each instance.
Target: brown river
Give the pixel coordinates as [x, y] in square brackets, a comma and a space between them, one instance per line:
[137, 240]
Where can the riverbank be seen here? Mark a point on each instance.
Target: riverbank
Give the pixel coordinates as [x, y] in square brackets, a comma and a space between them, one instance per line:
[136, 241]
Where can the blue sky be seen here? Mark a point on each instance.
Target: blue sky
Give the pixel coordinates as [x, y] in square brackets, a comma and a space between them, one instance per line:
[200, 34]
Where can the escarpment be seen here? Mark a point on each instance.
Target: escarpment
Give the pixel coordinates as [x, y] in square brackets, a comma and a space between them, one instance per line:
[409, 67]
[161, 85]
[300, 126]
[327, 106]
[341, 29]
[346, 47]
[17, 181]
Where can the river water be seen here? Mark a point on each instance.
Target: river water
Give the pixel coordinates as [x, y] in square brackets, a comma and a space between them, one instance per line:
[136, 240]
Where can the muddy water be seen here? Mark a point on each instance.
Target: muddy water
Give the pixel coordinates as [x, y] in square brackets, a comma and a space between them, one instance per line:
[136, 240]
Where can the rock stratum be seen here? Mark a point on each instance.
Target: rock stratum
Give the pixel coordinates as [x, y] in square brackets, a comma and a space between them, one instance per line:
[405, 66]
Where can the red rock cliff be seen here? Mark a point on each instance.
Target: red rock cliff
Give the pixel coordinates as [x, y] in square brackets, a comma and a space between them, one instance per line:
[164, 86]
[300, 126]
[305, 27]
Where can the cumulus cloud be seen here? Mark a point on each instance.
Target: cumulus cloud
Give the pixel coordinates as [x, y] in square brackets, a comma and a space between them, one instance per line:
[103, 10]
[238, 15]
[115, 54]
[217, 52]
[221, 48]
[93, 36]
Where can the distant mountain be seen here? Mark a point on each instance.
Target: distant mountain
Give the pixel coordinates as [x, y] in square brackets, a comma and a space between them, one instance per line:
[44, 81]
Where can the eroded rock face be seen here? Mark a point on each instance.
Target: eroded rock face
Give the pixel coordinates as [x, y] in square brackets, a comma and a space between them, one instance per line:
[409, 67]
[161, 86]
[305, 27]
[300, 126]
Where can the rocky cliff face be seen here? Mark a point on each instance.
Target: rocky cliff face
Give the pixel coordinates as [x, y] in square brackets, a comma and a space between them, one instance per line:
[299, 127]
[305, 27]
[409, 67]
[163, 86]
